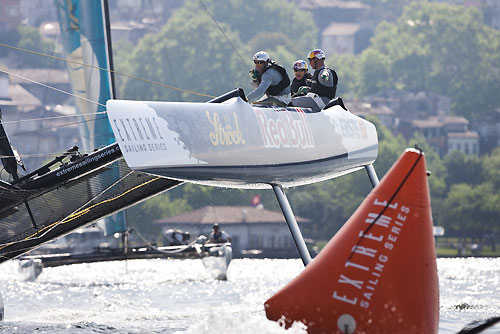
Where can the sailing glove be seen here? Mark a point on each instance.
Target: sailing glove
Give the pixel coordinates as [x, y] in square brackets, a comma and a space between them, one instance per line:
[303, 90]
[254, 74]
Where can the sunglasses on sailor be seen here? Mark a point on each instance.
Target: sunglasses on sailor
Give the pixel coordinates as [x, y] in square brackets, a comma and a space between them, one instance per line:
[300, 70]
[258, 62]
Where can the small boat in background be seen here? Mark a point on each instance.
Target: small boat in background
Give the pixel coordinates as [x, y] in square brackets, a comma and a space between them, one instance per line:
[29, 269]
[215, 257]
[217, 261]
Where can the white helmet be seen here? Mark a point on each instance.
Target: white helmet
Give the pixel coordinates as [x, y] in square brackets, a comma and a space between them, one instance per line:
[300, 65]
[261, 56]
[316, 53]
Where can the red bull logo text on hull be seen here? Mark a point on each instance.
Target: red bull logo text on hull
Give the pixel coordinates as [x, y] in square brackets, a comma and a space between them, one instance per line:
[284, 129]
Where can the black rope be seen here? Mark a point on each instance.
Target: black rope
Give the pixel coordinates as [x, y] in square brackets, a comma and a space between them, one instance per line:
[54, 127]
[479, 326]
[99, 68]
[387, 205]
[165, 53]
[227, 38]
[53, 225]
[42, 110]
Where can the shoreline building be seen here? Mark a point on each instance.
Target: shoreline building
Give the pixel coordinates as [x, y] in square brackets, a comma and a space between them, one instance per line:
[254, 231]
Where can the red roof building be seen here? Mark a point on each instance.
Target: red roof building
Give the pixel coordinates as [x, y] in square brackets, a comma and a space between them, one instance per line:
[252, 229]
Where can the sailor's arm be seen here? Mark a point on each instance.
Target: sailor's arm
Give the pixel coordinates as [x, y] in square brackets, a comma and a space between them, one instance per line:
[226, 237]
[327, 78]
[258, 92]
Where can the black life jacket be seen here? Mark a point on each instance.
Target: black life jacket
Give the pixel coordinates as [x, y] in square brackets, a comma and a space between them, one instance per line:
[218, 237]
[322, 90]
[305, 81]
[274, 90]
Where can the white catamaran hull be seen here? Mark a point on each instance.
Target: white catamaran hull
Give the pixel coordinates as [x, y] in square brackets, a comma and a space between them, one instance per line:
[234, 144]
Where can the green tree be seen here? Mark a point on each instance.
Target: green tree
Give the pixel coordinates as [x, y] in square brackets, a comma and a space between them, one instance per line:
[142, 216]
[436, 47]
[321, 204]
[347, 68]
[9, 37]
[463, 169]
[252, 18]
[491, 168]
[189, 54]
[472, 211]
[122, 56]
[199, 196]
[30, 39]
[192, 53]
[472, 205]
[385, 10]
[434, 164]
[329, 204]
[374, 72]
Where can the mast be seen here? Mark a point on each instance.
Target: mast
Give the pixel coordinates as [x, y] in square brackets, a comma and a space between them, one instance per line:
[107, 28]
[86, 38]
[118, 222]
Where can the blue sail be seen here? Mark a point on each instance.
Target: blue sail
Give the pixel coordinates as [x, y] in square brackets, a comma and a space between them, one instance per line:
[84, 39]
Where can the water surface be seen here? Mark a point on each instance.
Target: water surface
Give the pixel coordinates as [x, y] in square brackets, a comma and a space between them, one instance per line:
[177, 296]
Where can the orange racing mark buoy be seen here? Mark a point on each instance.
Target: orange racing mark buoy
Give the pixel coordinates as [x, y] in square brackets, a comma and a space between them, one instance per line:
[378, 273]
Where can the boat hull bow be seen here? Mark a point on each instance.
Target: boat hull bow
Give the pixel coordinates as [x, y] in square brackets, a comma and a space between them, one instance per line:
[234, 144]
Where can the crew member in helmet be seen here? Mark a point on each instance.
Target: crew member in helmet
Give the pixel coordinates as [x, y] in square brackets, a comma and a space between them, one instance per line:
[218, 236]
[323, 84]
[302, 77]
[271, 83]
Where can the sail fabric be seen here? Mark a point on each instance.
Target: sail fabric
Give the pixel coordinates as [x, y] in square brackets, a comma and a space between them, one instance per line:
[84, 41]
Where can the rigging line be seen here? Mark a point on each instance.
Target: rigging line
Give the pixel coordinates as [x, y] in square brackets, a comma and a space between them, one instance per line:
[387, 205]
[77, 213]
[164, 50]
[107, 70]
[52, 117]
[191, 244]
[50, 154]
[227, 38]
[52, 128]
[47, 86]
[38, 155]
[44, 102]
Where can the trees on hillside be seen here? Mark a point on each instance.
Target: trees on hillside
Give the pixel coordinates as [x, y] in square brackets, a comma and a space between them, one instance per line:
[471, 211]
[192, 53]
[249, 19]
[27, 37]
[472, 204]
[466, 205]
[432, 47]
[189, 54]
[436, 47]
